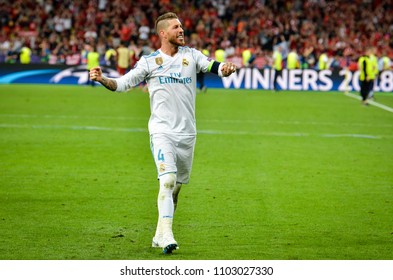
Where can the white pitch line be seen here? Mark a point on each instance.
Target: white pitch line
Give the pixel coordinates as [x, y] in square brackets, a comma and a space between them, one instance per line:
[351, 135]
[232, 132]
[206, 132]
[376, 104]
[28, 116]
[74, 127]
[200, 120]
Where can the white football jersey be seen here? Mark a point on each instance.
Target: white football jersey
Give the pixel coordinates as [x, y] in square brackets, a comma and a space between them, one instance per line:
[172, 88]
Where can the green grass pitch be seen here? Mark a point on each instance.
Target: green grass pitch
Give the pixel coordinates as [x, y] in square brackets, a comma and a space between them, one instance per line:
[276, 176]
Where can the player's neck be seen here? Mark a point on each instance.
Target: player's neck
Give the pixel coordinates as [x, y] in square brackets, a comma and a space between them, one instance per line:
[170, 50]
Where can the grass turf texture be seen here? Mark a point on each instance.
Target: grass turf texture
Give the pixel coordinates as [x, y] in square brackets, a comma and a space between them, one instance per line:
[289, 175]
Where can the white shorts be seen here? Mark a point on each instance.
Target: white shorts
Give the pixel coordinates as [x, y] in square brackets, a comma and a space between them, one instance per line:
[173, 154]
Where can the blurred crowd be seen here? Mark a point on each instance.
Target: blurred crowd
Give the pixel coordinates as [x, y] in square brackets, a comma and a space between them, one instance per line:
[245, 32]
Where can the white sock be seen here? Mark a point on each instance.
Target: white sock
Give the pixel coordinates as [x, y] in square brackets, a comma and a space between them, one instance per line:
[167, 233]
[165, 205]
[165, 201]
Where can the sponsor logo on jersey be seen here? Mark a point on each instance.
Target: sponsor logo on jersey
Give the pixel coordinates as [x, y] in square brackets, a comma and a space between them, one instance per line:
[175, 78]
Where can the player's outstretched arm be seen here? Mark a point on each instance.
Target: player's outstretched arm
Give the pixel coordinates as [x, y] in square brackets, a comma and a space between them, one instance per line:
[223, 69]
[96, 75]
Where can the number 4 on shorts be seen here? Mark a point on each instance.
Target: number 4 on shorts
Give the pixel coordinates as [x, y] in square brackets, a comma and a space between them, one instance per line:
[160, 156]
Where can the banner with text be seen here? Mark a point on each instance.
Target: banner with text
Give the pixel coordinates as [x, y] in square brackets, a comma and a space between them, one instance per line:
[244, 78]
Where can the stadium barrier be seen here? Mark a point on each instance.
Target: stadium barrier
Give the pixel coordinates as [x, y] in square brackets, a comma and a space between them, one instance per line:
[244, 78]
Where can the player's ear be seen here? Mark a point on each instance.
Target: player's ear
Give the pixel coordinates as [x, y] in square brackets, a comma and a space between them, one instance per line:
[162, 33]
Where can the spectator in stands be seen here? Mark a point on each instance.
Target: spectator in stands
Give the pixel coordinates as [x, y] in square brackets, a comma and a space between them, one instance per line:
[134, 50]
[293, 60]
[323, 61]
[110, 56]
[384, 63]
[335, 25]
[146, 49]
[5, 45]
[144, 30]
[219, 55]
[12, 54]
[93, 60]
[308, 59]
[25, 54]
[123, 59]
[91, 34]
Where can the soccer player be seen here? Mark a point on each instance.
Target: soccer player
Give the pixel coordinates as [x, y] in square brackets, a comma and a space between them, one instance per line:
[170, 73]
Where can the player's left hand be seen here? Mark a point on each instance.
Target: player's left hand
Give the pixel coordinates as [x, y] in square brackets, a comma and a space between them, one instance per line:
[228, 68]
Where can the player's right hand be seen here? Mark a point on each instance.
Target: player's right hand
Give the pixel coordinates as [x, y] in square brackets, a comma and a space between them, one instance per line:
[96, 74]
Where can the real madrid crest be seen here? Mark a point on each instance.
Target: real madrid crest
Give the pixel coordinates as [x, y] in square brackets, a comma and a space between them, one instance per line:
[162, 167]
[185, 62]
[159, 60]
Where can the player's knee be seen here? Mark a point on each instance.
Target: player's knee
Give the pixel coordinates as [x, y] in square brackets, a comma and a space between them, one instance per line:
[167, 185]
[168, 181]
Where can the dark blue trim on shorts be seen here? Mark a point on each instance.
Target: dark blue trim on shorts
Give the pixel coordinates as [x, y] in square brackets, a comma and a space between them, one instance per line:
[174, 172]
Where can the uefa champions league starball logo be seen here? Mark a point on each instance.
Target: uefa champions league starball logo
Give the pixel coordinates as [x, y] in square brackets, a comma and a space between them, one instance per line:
[80, 73]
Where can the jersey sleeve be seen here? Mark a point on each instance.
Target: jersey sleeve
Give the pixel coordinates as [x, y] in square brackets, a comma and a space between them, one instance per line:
[203, 62]
[134, 77]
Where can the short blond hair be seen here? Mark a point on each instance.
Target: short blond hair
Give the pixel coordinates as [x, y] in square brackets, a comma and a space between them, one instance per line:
[163, 18]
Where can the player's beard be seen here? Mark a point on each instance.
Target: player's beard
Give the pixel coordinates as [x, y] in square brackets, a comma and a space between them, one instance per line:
[179, 42]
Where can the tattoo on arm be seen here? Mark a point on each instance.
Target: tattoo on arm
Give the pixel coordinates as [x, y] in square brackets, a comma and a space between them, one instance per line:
[109, 83]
